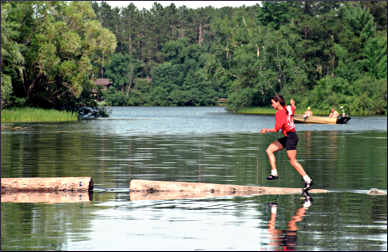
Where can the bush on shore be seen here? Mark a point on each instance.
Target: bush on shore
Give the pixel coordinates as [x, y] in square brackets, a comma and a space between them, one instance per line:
[36, 115]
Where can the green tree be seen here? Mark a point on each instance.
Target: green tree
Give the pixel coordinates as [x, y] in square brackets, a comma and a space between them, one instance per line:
[12, 60]
[375, 57]
[357, 27]
[369, 96]
[317, 52]
[122, 70]
[181, 80]
[129, 23]
[275, 14]
[62, 40]
[379, 11]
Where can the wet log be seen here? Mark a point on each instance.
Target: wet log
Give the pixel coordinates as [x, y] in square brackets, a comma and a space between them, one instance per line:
[192, 189]
[46, 197]
[171, 195]
[66, 184]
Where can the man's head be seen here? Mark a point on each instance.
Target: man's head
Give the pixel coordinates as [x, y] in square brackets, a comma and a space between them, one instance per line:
[277, 100]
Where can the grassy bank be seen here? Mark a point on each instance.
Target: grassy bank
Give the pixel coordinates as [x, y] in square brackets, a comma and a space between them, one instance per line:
[271, 111]
[36, 115]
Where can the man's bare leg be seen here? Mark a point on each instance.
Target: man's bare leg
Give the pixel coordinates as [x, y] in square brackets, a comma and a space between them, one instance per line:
[272, 148]
[291, 154]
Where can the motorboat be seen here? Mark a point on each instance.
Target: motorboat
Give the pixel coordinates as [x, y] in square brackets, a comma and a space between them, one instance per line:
[321, 119]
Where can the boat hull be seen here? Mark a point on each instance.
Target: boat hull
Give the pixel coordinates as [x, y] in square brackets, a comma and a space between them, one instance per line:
[321, 119]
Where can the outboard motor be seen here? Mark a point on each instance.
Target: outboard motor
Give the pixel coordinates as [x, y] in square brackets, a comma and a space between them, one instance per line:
[85, 113]
[343, 119]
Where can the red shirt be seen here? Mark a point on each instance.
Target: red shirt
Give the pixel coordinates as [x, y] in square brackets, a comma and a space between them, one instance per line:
[285, 121]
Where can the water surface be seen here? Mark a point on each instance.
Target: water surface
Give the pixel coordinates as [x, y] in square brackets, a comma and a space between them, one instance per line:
[197, 145]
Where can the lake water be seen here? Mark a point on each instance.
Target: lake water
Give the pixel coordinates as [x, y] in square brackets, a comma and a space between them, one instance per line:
[193, 144]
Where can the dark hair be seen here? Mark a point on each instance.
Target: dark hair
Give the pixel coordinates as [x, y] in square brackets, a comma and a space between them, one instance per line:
[280, 99]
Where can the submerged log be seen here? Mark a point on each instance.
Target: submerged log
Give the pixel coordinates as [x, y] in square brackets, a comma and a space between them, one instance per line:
[375, 191]
[46, 197]
[148, 189]
[77, 184]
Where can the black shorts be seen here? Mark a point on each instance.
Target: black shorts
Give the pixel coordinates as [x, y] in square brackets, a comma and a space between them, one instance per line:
[290, 141]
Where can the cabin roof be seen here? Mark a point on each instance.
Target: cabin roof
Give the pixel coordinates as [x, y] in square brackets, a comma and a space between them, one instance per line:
[103, 82]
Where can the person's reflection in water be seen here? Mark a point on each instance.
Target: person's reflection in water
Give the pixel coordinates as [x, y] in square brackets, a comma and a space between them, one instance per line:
[285, 240]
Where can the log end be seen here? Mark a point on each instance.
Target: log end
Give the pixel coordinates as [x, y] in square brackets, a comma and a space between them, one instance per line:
[51, 184]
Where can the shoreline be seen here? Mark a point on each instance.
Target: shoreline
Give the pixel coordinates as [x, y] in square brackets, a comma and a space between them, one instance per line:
[271, 111]
[39, 115]
[36, 115]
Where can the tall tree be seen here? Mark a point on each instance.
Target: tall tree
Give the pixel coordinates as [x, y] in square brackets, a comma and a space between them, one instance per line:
[62, 42]
[12, 60]
[122, 70]
[129, 23]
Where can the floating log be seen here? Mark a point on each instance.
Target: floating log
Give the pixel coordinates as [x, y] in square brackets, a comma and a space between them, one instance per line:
[170, 195]
[66, 184]
[148, 189]
[144, 195]
[46, 197]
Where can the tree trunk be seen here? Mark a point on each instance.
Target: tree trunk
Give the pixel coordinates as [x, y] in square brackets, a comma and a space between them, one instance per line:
[257, 50]
[129, 45]
[102, 66]
[79, 184]
[32, 86]
[200, 34]
[182, 32]
[130, 78]
[138, 185]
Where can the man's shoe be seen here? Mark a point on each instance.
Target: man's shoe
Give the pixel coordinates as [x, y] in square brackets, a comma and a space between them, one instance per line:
[307, 186]
[271, 177]
[272, 204]
[306, 195]
[307, 199]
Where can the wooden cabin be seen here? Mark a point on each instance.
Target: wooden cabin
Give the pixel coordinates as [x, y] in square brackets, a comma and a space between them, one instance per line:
[103, 82]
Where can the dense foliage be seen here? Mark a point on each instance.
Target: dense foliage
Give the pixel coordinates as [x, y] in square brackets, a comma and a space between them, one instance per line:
[321, 53]
[50, 53]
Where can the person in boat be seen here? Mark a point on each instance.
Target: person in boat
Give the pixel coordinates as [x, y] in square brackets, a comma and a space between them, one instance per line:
[291, 108]
[308, 113]
[333, 113]
[343, 111]
[285, 123]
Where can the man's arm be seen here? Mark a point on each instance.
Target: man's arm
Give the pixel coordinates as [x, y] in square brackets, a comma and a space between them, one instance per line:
[278, 125]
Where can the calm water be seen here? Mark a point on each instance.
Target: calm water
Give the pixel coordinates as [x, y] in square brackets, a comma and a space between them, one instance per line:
[197, 145]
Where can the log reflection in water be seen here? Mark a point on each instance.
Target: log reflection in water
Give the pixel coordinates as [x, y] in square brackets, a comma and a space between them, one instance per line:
[46, 197]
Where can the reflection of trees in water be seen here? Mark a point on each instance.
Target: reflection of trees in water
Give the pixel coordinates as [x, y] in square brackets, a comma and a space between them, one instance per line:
[307, 141]
[322, 139]
[333, 144]
[41, 226]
